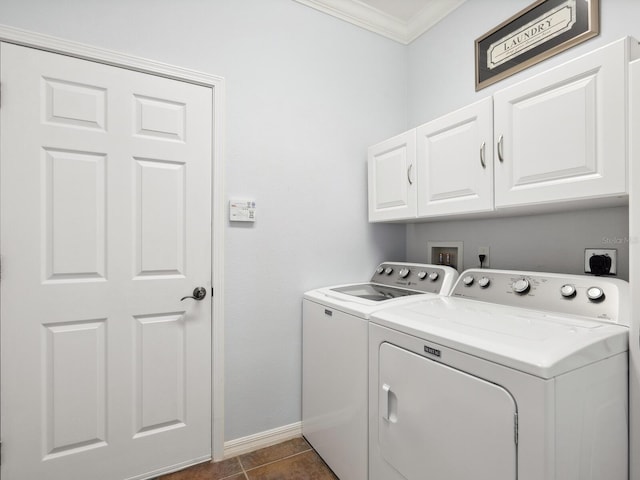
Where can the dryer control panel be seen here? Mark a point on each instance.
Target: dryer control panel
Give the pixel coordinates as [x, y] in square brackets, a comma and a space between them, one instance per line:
[421, 277]
[601, 298]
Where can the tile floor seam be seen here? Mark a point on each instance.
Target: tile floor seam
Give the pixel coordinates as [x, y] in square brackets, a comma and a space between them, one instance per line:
[244, 472]
[272, 462]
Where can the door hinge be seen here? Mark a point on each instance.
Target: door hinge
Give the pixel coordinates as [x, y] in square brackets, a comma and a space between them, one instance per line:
[211, 292]
[515, 427]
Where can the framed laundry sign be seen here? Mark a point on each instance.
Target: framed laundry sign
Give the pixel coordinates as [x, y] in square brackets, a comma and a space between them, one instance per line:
[540, 31]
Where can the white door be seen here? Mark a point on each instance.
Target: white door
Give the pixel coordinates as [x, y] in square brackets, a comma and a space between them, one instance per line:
[105, 225]
[455, 162]
[561, 135]
[392, 178]
[437, 422]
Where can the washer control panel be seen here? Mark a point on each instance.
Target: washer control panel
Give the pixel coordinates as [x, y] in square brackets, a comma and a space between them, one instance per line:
[416, 276]
[597, 297]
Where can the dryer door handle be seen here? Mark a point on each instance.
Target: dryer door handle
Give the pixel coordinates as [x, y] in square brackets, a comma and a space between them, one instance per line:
[389, 404]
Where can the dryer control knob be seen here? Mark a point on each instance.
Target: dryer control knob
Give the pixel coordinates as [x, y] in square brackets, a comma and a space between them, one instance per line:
[568, 290]
[404, 272]
[433, 276]
[388, 270]
[468, 280]
[484, 282]
[595, 294]
[380, 269]
[422, 274]
[521, 286]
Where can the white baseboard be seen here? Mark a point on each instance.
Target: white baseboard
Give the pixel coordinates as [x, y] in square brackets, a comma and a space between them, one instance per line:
[256, 441]
[171, 469]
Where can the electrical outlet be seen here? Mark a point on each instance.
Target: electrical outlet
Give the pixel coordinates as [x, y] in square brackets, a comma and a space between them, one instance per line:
[611, 252]
[484, 251]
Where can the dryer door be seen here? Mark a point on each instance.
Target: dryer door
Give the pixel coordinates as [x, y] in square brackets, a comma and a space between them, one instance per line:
[438, 422]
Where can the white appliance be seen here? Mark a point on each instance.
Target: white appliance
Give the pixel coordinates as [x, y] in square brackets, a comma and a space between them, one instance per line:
[334, 357]
[515, 375]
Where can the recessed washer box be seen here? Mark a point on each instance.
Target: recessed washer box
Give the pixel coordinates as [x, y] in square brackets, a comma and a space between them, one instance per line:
[446, 253]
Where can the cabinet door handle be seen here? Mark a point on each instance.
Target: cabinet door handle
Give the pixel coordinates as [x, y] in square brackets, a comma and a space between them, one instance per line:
[482, 148]
[500, 143]
[409, 174]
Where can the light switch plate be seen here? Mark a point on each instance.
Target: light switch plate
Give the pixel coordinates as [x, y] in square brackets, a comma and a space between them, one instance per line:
[612, 252]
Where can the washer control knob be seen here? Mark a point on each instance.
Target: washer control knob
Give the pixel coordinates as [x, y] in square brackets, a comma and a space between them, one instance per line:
[422, 274]
[380, 269]
[568, 291]
[388, 270]
[595, 294]
[404, 272]
[468, 280]
[433, 276]
[484, 282]
[521, 286]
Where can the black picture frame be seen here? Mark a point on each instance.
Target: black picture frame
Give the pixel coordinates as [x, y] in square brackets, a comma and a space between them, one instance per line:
[543, 29]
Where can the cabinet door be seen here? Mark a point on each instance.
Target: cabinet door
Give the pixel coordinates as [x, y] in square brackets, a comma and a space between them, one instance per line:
[455, 162]
[561, 135]
[392, 184]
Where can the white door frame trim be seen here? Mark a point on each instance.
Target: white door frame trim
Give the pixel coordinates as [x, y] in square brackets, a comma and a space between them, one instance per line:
[217, 84]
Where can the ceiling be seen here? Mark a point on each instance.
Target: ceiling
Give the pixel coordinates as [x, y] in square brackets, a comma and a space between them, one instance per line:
[400, 20]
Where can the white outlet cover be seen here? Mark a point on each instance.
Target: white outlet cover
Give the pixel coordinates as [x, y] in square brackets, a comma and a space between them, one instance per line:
[612, 252]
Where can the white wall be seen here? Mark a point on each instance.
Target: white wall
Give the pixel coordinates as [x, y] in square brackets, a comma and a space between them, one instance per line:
[441, 79]
[306, 94]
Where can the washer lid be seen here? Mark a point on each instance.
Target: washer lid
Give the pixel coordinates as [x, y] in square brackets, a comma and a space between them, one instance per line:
[540, 343]
[376, 293]
[360, 306]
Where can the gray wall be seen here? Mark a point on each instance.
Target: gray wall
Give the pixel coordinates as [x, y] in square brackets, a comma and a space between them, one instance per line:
[441, 79]
[306, 95]
[543, 243]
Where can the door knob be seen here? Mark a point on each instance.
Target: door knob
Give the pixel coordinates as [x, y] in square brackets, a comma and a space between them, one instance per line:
[198, 294]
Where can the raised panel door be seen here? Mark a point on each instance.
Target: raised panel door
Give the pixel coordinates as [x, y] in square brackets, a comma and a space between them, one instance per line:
[561, 135]
[392, 178]
[455, 162]
[105, 225]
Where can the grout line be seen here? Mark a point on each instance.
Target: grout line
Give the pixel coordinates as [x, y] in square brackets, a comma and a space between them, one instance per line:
[234, 474]
[244, 472]
[274, 461]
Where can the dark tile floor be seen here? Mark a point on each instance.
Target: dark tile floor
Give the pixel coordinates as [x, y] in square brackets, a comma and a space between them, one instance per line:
[293, 459]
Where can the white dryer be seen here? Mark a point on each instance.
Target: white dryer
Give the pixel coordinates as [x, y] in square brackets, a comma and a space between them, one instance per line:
[515, 375]
[335, 354]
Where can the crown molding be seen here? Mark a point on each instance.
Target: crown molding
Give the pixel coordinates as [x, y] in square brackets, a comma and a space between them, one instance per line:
[433, 12]
[374, 20]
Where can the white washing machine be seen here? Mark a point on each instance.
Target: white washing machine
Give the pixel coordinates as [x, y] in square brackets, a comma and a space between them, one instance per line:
[515, 375]
[335, 355]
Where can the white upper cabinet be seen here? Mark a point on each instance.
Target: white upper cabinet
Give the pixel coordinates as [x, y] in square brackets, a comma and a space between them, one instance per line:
[392, 178]
[561, 135]
[455, 162]
[557, 140]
